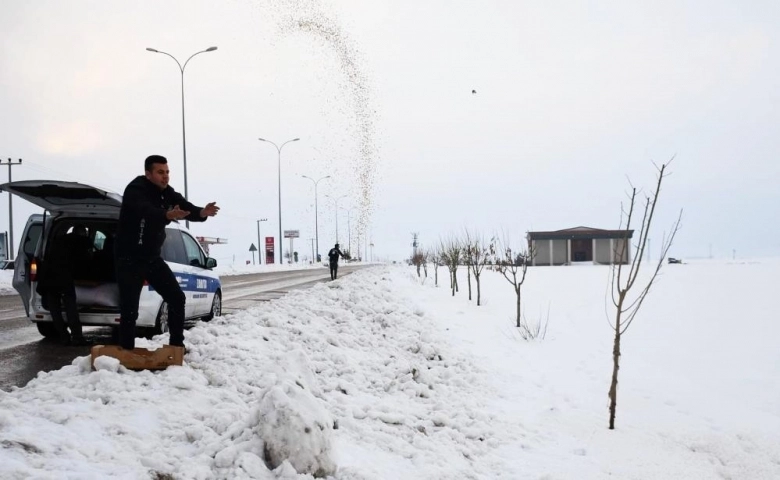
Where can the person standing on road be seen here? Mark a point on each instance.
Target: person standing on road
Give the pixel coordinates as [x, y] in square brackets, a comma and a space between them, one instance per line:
[68, 254]
[148, 205]
[333, 261]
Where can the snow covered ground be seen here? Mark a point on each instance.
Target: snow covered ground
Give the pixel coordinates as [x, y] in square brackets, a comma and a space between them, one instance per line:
[376, 376]
[6, 276]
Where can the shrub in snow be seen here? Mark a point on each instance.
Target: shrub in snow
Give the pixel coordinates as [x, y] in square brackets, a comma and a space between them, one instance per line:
[296, 428]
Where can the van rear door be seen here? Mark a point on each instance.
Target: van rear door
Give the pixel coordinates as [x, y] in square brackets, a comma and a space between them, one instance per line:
[74, 198]
[30, 238]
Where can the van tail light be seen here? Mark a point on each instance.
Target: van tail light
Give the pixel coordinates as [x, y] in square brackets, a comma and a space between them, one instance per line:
[34, 270]
[146, 283]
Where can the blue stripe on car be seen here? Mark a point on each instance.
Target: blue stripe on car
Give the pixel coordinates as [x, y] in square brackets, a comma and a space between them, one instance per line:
[190, 282]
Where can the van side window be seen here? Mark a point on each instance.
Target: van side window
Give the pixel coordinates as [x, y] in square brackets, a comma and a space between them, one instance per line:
[173, 248]
[195, 255]
[31, 241]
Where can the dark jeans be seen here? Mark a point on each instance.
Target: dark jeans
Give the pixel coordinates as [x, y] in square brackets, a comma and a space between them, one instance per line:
[130, 275]
[56, 298]
[334, 270]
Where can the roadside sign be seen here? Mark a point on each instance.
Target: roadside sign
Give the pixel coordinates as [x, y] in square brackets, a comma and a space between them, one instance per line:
[291, 234]
[269, 250]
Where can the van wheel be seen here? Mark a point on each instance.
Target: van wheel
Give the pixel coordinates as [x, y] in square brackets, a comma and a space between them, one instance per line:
[47, 329]
[161, 325]
[216, 307]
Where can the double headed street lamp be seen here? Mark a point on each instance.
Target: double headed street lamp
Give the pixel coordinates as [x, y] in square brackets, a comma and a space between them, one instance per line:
[279, 170]
[316, 218]
[183, 134]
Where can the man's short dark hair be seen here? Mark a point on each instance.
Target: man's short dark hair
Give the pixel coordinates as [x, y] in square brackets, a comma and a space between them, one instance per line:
[152, 159]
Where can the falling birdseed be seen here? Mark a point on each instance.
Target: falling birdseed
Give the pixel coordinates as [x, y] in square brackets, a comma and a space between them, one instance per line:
[310, 18]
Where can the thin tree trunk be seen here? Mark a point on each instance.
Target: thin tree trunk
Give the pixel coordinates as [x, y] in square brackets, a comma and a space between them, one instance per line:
[436, 275]
[452, 282]
[479, 296]
[517, 291]
[615, 363]
[468, 270]
[613, 385]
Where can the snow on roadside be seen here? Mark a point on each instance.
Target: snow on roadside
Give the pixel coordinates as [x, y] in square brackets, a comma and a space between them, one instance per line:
[363, 382]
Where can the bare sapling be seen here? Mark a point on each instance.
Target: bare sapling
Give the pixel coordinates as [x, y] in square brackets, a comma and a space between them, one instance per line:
[480, 253]
[435, 256]
[417, 261]
[468, 257]
[513, 265]
[451, 254]
[627, 306]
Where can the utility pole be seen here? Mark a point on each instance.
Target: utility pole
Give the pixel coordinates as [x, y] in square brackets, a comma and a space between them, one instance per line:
[11, 210]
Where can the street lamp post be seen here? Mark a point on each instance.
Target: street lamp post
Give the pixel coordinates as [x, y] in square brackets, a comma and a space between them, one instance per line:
[183, 131]
[260, 247]
[279, 171]
[337, 213]
[349, 229]
[316, 217]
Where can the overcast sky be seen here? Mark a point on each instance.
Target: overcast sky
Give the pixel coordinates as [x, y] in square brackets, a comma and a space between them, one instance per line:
[574, 98]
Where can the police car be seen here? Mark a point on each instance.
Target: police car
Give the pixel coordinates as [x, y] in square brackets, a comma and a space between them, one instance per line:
[69, 204]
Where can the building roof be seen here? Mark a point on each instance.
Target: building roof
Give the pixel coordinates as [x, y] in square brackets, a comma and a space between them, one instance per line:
[580, 233]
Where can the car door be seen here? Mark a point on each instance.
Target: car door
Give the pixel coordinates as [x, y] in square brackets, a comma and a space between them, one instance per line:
[30, 238]
[175, 255]
[198, 283]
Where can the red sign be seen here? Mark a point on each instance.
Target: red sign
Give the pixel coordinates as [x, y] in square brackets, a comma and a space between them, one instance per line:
[269, 250]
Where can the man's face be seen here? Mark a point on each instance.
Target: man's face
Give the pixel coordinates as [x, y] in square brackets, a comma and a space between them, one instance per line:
[159, 175]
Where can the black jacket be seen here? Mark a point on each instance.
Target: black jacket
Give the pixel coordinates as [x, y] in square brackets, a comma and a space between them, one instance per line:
[333, 255]
[142, 221]
[65, 257]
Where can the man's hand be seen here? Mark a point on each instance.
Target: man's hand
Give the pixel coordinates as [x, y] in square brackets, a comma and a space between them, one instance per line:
[176, 213]
[209, 210]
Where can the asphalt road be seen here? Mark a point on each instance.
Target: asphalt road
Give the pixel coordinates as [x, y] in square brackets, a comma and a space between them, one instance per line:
[24, 352]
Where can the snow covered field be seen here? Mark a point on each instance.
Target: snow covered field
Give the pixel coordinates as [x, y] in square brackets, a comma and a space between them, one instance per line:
[375, 376]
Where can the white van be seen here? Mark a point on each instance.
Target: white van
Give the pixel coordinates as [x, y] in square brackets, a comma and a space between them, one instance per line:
[70, 204]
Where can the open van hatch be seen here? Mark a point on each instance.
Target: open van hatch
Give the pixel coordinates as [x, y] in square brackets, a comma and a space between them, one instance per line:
[56, 196]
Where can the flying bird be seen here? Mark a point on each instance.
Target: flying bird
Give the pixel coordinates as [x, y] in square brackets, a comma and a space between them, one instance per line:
[473, 92]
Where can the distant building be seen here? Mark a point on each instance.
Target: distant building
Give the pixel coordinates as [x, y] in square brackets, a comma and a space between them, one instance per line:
[579, 244]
